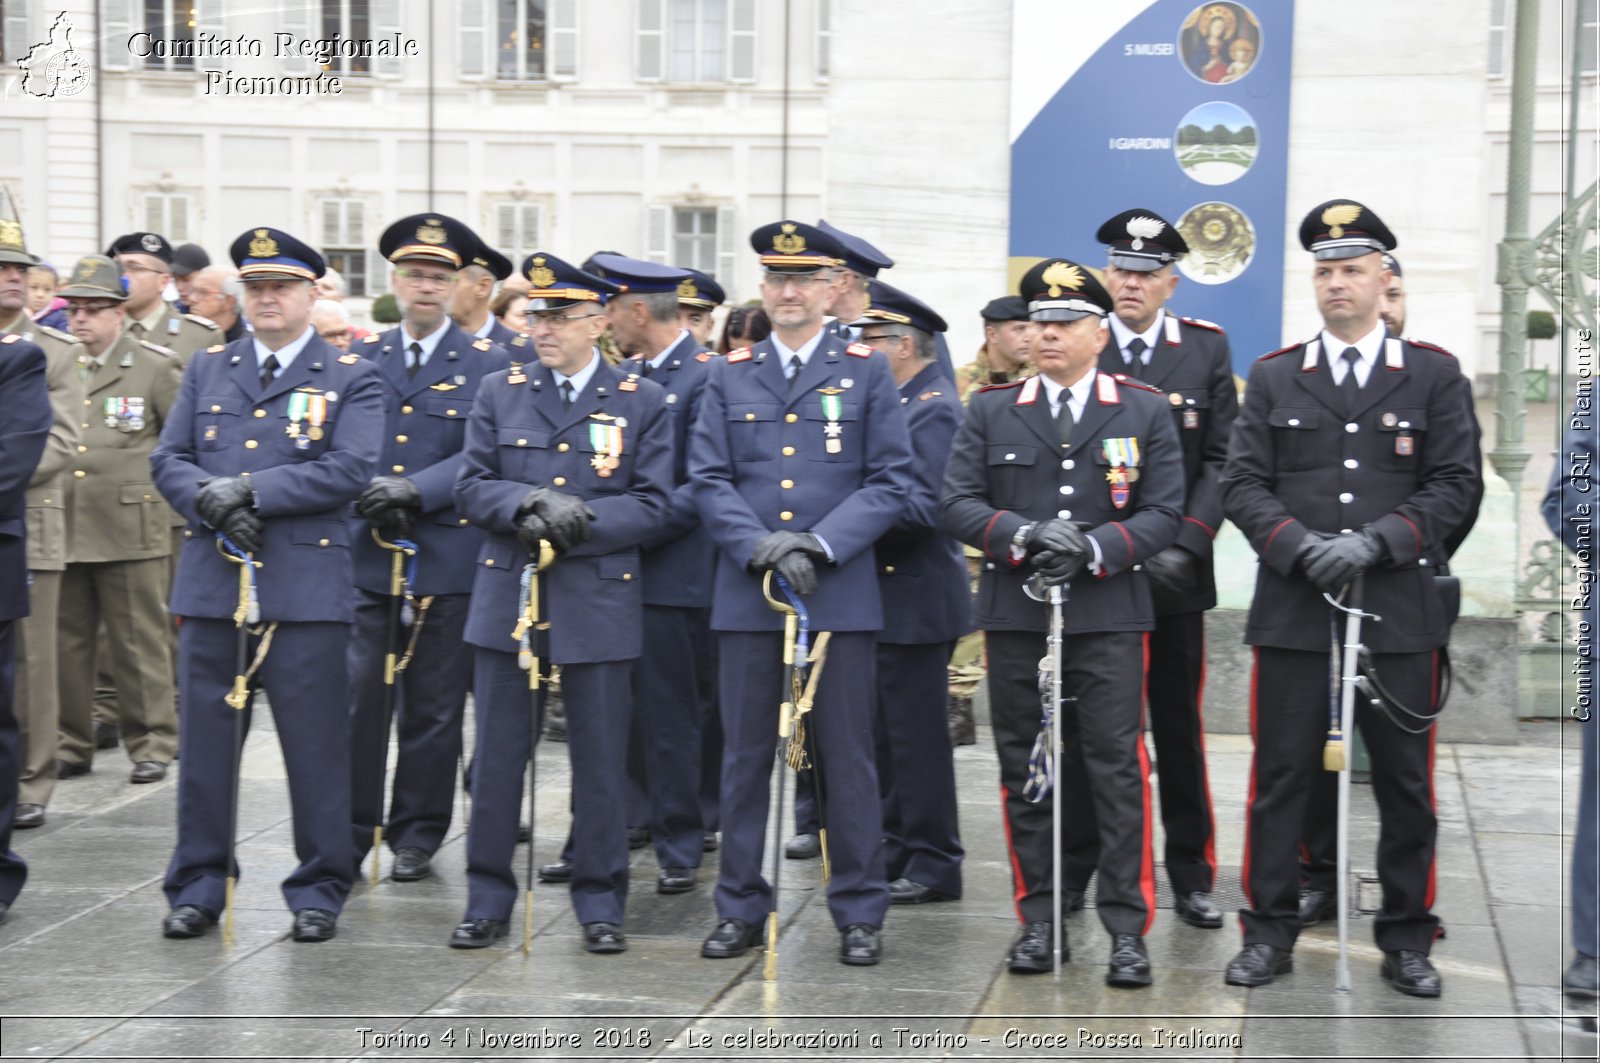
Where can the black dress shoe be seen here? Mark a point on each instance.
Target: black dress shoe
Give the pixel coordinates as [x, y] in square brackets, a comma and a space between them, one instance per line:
[1412, 973]
[732, 937]
[1582, 980]
[1130, 963]
[560, 871]
[5, 906]
[910, 891]
[28, 817]
[676, 879]
[1317, 905]
[604, 938]
[709, 842]
[1071, 900]
[147, 771]
[803, 847]
[478, 933]
[524, 833]
[1197, 910]
[638, 837]
[1030, 953]
[187, 921]
[314, 924]
[1258, 964]
[411, 864]
[860, 945]
[65, 769]
[106, 736]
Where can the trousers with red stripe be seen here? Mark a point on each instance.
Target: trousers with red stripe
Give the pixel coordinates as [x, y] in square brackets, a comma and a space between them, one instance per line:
[1101, 678]
[1289, 722]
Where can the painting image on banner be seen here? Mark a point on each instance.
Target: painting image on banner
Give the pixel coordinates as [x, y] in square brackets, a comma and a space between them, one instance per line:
[1178, 108]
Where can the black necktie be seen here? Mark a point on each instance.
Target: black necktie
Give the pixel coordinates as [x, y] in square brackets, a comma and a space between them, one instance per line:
[1064, 420]
[415, 361]
[1136, 349]
[269, 369]
[566, 395]
[795, 365]
[1351, 388]
[646, 368]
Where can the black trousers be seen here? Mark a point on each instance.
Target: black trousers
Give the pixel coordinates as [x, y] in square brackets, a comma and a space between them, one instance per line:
[13, 872]
[1289, 722]
[664, 742]
[916, 766]
[1101, 730]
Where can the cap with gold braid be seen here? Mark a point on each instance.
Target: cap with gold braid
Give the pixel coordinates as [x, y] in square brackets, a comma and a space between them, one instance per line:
[888, 305]
[701, 291]
[267, 254]
[1343, 228]
[1059, 290]
[557, 284]
[633, 275]
[436, 238]
[795, 247]
[482, 255]
[95, 277]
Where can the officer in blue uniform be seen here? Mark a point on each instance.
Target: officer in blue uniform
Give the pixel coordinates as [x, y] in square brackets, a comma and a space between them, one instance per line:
[576, 453]
[25, 411]
[927, 607]
[482, 267]
[699, 295]
[271, 438]
[800, 460]
[862, 262]
[430, 370]
[1190, 361]
[1076, 475]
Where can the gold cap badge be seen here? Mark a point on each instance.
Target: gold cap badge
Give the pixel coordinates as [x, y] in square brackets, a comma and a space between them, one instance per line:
[687, 290]
[432, 232]
[1062, 275]
[263, 246]
[787, 241]
[1338, 216]
[541, 275]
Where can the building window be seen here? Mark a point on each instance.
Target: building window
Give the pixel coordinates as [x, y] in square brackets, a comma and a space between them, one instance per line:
[168, 214]
[15, 37]
[171, 21]
[344, 242]
[518, 40]
[702, 238]
[352, 20]
[517, 229]
[1589, 45]
[694, 238]
[824, 39]
[695, 41]
[1497, 38]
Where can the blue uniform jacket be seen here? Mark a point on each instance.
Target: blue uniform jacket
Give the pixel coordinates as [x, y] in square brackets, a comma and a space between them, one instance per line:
[759, 461]
[921, 572]
[679, 555]
[225, 424]
[510, 339]
[425, 425]
[519, 438]
[25, 413]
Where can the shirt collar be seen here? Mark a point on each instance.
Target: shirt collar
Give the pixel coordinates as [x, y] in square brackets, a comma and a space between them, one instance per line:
[805, 352]
[1124, 335]
[1078, 393]
[151, 320]
[655, 363]
[581, 378]
[428, 342]
[487, 327]
[1368, 345]
[286, 354]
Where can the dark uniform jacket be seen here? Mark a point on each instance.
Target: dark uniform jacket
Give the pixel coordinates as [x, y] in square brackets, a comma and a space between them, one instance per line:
[225, 424]
[507, 337]
[1192, 364]
[425, 427]
[679, 555]
[519, 438]
[921, 573]
[25, 413]
[1122, 476]
[1403, 460]
[760, 462]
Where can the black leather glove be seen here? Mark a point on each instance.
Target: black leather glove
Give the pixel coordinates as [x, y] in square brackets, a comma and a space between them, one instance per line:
[1312, 541]
[244, 527]
[1063, 567]
[394, 524]
[1332, 564]
[1054, 537]
[220, 496]
[1174, 569]
[773, 547]
[565, 517]
[388, 493]
[530, 529]
[796, 567]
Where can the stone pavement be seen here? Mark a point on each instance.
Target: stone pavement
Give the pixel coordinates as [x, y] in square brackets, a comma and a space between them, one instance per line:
[84, 972]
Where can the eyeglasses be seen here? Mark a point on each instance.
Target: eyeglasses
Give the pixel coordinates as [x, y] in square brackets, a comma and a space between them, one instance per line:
[555, 321]
[437, 280]
[882, 337]
[87, 309]
[803, 281]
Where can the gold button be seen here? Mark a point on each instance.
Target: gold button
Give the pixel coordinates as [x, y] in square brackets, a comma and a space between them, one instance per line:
[462, 522]
[79, 473]
[786, 515]
[214, 409]
[86, 402]
[83, 450]
[261, 413]
[86, 423]
[788, 452]
[522, 442]
[888, 570]
[405, 409]
[749, 416]
[563, 447]
[146, 498]
[402, 439]
[489, 563]
[398, 468]
[251, 444]
[449, 413]
[187, 534]
[322, 542]
[626, 576]
[791, 417]
[786, 484]
[560, 481]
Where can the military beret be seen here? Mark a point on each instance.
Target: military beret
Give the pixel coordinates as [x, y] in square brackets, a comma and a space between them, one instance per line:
[1343, 228]
[1005, 308]
[141, 244]
[186, 258]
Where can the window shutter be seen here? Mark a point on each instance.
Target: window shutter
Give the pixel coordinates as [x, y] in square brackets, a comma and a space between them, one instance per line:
[377, 272]
[727, 248]
[561, 31]
[385, 24]
[18, 38]
[1591, 25]
[153, 215]
[116, 28]
[650, 46]
[177, 230]
[298, 19]
[472, 33]
[824, 40]
[507, 239]
[532, 226]
[658, 233]
[742, 41]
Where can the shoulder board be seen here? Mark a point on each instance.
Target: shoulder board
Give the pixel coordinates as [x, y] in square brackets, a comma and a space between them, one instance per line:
[1105, 386]
[741, 355]
[1130, 382]
[630, 384]
[10, 337]
[55, 333]
[860, 350]
[926, 395]
[483, 344]
[703, 356]
[165, 352]
[206, 321]
[1425, 345]
[1202, 323]
[349, 359]
[519, 340]
[1281, 350]
[374, 338]
[215, 348]
[1008, 384]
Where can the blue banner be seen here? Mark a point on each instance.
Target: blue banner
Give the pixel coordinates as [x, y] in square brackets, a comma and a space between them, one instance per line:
[1176, 107]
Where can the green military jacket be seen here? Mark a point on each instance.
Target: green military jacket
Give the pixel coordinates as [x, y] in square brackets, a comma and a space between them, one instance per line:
[46, 519]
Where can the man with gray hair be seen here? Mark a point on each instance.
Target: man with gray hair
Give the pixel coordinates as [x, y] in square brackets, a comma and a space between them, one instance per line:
[216, 292]
[331, 322]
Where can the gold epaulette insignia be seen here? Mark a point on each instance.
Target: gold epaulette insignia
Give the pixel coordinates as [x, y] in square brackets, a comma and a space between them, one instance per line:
[743, 354]
[349, 359]
[483, 344]
[860, 350]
